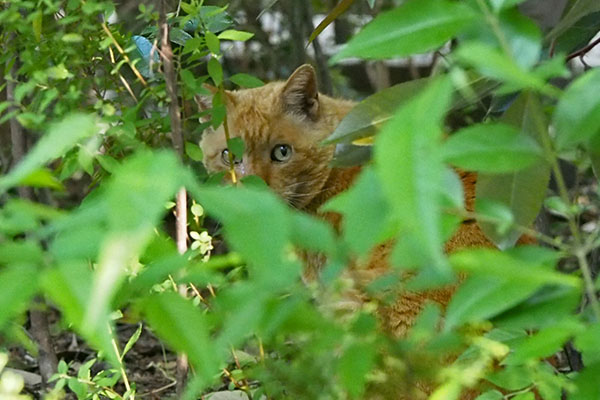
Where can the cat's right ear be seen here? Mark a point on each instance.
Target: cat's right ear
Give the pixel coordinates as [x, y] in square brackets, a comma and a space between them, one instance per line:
[300, 94]
[204, 102]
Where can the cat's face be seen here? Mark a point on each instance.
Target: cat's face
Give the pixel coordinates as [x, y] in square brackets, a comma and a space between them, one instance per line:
[282, 125]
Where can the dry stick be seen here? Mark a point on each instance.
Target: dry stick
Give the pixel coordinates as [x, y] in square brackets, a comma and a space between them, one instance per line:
[177, 140]
[37, 315]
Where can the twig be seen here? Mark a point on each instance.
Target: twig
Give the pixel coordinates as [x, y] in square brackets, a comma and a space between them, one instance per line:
[125, 56]
[584, 50]
[121, 366]
[322, 70]
[37, 315]
[177, 140]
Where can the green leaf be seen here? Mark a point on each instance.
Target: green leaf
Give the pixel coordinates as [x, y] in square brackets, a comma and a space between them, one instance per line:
[368, 116]
[145, 55]
[366, 213]
[415, 27]
[408, 150]
[580, 9]
[186, 329]
[232, 34]
[245, 80]
[510, 267]
[586, 383]
[546, 307]
[312, 234]
[354, 366]
[215, 71]
[132, 340]
[42, 177]
[491, 148]
[179, 36]
[36, 23]
[72, 37]
[212, 42]
[481, 297]
[237, 146]
[193, 151]
[333, 14]
[545, 342]
[498, 5]
[521, 192]
[576, 117]
[69, 286]
[60, 137]
[18, 284]
[490, 395]
[490, 62]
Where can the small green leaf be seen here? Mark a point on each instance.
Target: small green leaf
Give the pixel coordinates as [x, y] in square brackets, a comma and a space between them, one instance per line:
[197, 210]
[42, 177]
[215, 71]
[72, 38]
[333, 14]
[37, 24]
[193, 151]
[495, 148]
[490, 395]
[232, 34]
[580, 9]
[414, 27]
[132, 340]
[498, 5]
[212, 42]
[245, 80]
[237, 146]
[354, 366]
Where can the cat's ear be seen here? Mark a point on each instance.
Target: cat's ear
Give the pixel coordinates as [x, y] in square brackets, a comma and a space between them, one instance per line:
[300, 95]
[205, 102]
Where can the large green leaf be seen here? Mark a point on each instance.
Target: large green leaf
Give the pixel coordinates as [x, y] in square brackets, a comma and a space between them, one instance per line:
[491, 148]
[368, 116]
[409, 164]
[521, 192]
[416, 26]
[186, 329]
[135, 205]
[580, 9]
[53, 144]
[18, 284]
[577, 115]
[366, 213]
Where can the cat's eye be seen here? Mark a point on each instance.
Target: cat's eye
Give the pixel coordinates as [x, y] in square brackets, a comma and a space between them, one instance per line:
[281, 153]
[225, 157]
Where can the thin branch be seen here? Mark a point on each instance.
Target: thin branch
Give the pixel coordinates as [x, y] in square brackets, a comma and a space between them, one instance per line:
[166, 53]
[37, 315]
[584, 50]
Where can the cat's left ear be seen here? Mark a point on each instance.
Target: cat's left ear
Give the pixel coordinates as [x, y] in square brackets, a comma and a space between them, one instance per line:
[300, 94]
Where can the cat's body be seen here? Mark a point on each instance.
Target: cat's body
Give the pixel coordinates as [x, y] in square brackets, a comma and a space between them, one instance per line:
[294, 115]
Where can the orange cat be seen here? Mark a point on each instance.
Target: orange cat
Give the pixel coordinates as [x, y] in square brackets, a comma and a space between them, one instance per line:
[282, 125]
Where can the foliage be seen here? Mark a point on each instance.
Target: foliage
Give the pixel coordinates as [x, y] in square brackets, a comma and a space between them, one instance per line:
[92, 98]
